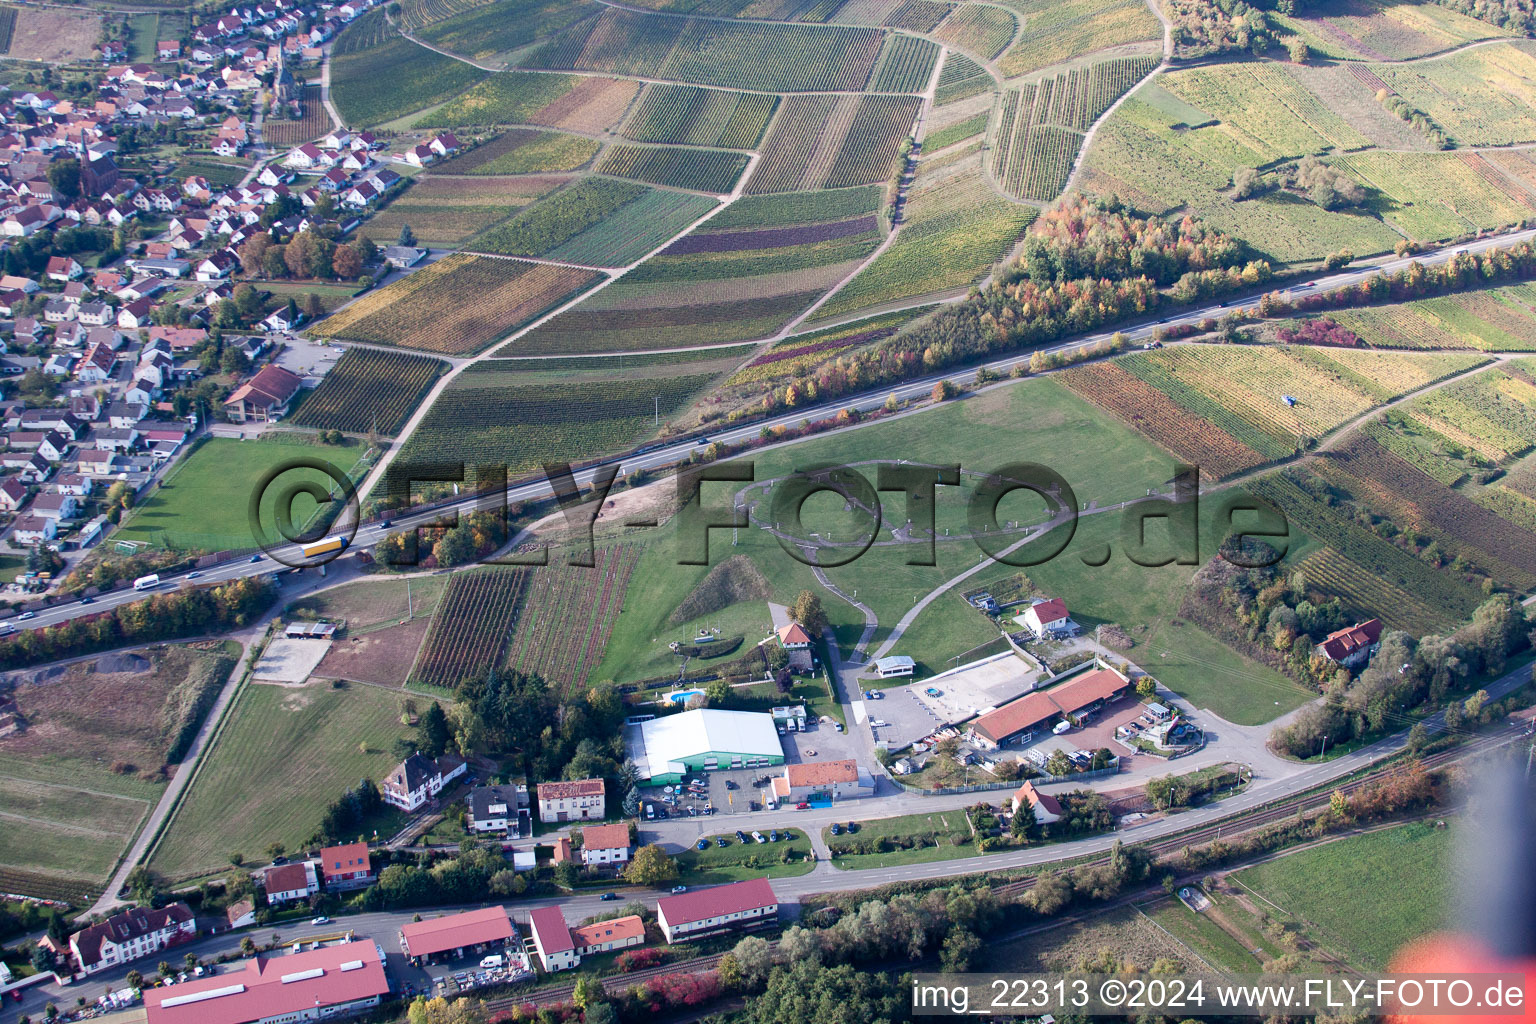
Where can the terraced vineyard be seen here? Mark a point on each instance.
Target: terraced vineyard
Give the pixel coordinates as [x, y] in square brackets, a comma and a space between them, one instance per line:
[702, 170]
[446, 211]
[917, 15]
[1492, 320]
[746, 55]
[959, 78]
[458, 305]
[493, 30]
[1040, 124]
[522, 151]
[1057, 31]
[469, 632]
[418, 14]
[833, 142]
[377, 76]
[693, 116]
[369, 390]
[597, 221]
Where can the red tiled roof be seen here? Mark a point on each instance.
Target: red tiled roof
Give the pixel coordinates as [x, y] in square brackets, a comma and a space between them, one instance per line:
[286, 878]
[1053, 610]
[550, 930]
[457, 931]
[1340, 644]
[127, 925]
[561, 790]
[1033, 708]
[344, 860]
[605, 837]
[273, 986]
[716, 901]
[822, 773]
[1029, 794]
[794, 633]
[620, 929]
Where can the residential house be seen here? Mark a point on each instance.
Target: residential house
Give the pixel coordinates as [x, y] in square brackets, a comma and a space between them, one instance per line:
[1047, 808]
[264, 397]
[12, 494]
[419, 778]
[692, 915]
[346, 866]
[500, 809]
[131, 935]
[580, 800]
[1048, 618]
[31, 529]
[605, 845]
[285, 883]
[607, 936]
[1352, 646]
[54, 506]
[63, 268]
[797, 645]
[552, 939]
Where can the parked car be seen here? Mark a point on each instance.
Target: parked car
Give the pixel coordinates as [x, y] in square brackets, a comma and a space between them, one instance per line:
[773, 835]
[852, 827]
[757, 837]
[741, 836]
[802, 806]
[702, 844]
[720, 841]
[837, 829]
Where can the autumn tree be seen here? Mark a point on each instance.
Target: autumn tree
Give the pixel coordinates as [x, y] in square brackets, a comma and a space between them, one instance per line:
[651, 866]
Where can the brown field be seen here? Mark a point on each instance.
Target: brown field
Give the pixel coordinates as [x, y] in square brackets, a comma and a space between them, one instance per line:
[382, 657]
[594, 105]
[55, 36]
[1126, 932]
[94, 720]
[1343, 92]
[371, 602]
[315, 123]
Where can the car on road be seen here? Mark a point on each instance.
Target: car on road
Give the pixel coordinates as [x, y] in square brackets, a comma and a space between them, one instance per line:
[255, 558]
[194, 574]
[322, 919]
[27, 615]
[605, 897]
[679, 888]
[802, 806]
[87, 599]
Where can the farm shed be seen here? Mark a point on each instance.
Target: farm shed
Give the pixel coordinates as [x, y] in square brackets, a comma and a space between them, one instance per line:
[667, 748]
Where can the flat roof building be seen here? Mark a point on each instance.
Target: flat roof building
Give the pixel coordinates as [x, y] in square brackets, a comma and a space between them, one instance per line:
[666, 748]
[457, 933]
[317, 984]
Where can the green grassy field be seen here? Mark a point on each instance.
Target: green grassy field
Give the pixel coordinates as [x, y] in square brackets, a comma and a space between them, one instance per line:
[1407, 873]
[736, 862]
[951, 823]
[60, 829]
[1200, 934]
[204, 503]
[282, 756]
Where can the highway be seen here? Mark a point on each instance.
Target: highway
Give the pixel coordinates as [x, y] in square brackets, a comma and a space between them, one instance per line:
[670, 453]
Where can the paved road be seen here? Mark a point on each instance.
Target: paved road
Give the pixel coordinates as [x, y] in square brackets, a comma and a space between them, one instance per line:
[668, 454]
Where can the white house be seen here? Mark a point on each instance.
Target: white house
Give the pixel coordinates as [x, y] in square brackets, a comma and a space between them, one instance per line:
[1047, 808]
[418, 779]
[603, 845]
[1048, 618]
[131, 935]
[285, 883]
[692, 915]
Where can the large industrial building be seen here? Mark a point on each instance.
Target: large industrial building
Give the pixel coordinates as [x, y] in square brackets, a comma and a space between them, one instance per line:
[332, 981]
[667, 748]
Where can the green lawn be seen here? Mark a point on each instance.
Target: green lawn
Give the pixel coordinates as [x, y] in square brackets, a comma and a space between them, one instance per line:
[1366, 896]
[735, 861]
[282, 756]
[203, 503]
[948, 823]
[55, 828]
[1205, 937]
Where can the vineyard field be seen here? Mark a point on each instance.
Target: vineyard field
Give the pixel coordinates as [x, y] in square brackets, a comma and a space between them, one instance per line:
[789, 208]
[1366, 595]
[746, 55]
[959, 78]
[488, 415]
[369, 390]
[979, 30]
[1040, 124]
[1381, 30]
[427, 310]
[569, 614]
[695, 116]
[583, 223]
[493, 30]
[445, 211]
[315, 122]
[917, 15]
[1055, 32]
[418, 14]
[1493, 413]
[579, 103]
[1492, 320]
[702, 170]
[905, 65]
[522, 151]
[1264, 107]
[833, 142]
[798, 353]
[377, 76]
[469, 631]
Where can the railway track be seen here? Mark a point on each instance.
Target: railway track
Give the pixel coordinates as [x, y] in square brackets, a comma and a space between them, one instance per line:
[1248, 822]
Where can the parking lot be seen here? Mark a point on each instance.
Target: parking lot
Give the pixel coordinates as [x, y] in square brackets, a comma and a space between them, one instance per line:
[455, 976]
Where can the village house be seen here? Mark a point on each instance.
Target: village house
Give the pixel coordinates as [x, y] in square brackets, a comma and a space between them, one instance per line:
[131, 935]
[285, 883]
[346, 866]
[264, 397]
[605, 845]
[579, 800]
[1352, 646]
[419, 778]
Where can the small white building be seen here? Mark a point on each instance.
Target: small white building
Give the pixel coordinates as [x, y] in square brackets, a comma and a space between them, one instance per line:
[894, 666]
[605, 845]
[552, 939]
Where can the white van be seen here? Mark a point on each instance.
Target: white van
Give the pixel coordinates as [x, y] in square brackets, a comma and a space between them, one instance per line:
[494, 960]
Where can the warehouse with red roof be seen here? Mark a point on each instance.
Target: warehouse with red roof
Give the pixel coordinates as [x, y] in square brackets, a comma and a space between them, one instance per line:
[692, 915]
[1019, 718]
[317, 984]
[457, 934]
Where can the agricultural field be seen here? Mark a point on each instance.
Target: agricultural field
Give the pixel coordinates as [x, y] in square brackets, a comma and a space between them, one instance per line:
[955, 228]
[739, 277]
[1040, 123]
[447, 211]
[597, 222]
[693, 116]
[491, 414]
[798, 353]
[369, 390]
[426, 309]
[956, 131]
[833, 142]
[577, 103]
[746, 55]
[916, 15]
[1491, 320]
[144, 31]
[282, 755]
[54, 35]
[522, 151]
[377, 76]
[78, 781]
[1054, 33]
[471, 626]
[315, 122]
[1365, 594]
[1411, 870]
[1225, 409]
[1492, 413]
[418, 14]
[700, 170]
[491, 31]
[979, 30]
[905, 65]
[8, 26]
[1481, 97]
[1266, 109]
[959, 78]
[201, 503]
[569, 612]
[1381, 30]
